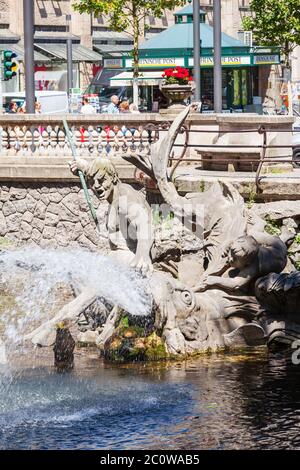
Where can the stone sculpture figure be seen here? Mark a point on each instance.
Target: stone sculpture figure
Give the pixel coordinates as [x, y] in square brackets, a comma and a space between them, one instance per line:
[279, 298]
[129, 220]
[242, 299]
[191, 322]
[217, 215]
[249, 257]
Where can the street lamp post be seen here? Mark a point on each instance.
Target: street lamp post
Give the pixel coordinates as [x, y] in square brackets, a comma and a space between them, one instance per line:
[28, 14]
[217, 57]
[69, 56]
[196, 45]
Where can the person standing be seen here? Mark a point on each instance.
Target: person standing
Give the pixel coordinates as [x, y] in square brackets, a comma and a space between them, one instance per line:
[87, 108]
[124, 107]
[13, 107]
[113, 108]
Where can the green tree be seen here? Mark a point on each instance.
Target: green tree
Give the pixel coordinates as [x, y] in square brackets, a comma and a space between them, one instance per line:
[275, 23]
[128, 16]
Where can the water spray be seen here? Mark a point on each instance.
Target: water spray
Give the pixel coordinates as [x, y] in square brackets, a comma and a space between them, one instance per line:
[81, 175]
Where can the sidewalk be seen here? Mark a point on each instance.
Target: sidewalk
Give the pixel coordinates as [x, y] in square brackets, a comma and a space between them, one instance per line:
[273, 186]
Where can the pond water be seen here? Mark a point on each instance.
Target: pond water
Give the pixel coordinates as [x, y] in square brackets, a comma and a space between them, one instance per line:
[215, 402]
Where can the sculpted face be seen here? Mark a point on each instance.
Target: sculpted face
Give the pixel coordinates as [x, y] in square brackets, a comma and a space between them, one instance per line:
[102, 186]
[102, 177]
[242, 251]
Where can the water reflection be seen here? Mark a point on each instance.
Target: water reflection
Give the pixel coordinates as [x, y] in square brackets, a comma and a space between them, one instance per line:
[216, 402]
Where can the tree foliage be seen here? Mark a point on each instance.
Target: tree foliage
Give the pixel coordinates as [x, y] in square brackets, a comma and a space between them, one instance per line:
[275, 23]
[129, 16]
[123, 15]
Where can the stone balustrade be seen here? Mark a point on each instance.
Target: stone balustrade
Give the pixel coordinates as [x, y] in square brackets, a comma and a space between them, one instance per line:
[112, 135]
[41, 138]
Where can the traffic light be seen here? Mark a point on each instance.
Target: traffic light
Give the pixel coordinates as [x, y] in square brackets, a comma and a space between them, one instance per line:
[10, 66]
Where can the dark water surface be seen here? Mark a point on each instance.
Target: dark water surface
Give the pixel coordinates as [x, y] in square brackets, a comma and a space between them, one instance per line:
[216, 402]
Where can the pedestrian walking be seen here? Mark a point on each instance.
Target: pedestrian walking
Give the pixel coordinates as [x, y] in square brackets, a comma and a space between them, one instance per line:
[113, 108]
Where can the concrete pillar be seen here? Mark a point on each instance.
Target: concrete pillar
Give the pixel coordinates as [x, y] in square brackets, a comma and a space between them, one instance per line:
[296, 64]
[16, 17]
[82, 26]
[231, 18]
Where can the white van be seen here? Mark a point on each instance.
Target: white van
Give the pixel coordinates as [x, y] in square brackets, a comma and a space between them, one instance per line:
[52, 102]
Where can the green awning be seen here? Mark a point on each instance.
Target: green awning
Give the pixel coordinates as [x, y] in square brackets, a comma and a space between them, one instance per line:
[59, 52]
[18, 48]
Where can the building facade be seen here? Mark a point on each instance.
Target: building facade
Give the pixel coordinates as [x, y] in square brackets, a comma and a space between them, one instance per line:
[93, 41]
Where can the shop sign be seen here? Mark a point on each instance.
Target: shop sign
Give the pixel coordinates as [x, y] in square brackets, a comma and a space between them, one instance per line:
[157, 62]
[226, 61]
[113, 63]
[266, 59]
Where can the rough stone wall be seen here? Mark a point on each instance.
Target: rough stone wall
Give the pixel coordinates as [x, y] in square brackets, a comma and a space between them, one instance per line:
[50, 215]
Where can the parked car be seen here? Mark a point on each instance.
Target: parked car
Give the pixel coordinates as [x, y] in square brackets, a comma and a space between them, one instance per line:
[100, 86]
[296, 142]
[52, 102]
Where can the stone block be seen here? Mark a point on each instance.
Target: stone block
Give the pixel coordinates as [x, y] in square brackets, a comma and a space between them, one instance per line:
[64, 233]
[35, 194]
[25, 230]
[48, 233]
[44, 190]
[45, 199]
[84, 218]
[66, 215]
[8, 208]
[84, 242]
[31, 203]
[63, 190]
[35, 235]
[38, 224]
[51, 219]
[20, 206]
[40, 210]
[71, 203]
[55, 197]
[3, 226]
[18, 193]
[53, 208]
[13, 223]
[27, 217]
[4, 195]
[91, 234]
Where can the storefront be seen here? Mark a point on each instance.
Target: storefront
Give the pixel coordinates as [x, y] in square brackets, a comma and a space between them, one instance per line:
[174, 47]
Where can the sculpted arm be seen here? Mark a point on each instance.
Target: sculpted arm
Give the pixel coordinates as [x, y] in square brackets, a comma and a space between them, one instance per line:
[229, 284]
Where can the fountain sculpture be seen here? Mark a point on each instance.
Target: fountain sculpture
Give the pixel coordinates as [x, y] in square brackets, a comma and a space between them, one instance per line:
[231, 292]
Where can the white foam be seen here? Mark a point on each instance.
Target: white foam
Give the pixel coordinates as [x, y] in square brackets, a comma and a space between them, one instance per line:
[40, 270]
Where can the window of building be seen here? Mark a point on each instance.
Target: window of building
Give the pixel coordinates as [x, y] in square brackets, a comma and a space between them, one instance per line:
[51, 29]
[124, 43]
[100, 28]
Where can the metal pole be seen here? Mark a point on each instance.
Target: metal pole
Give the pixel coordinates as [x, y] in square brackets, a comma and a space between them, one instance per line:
[217, 57]
[69, 56]
[28, 14]
[196, 45]
[1, 89]
[81, 175]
